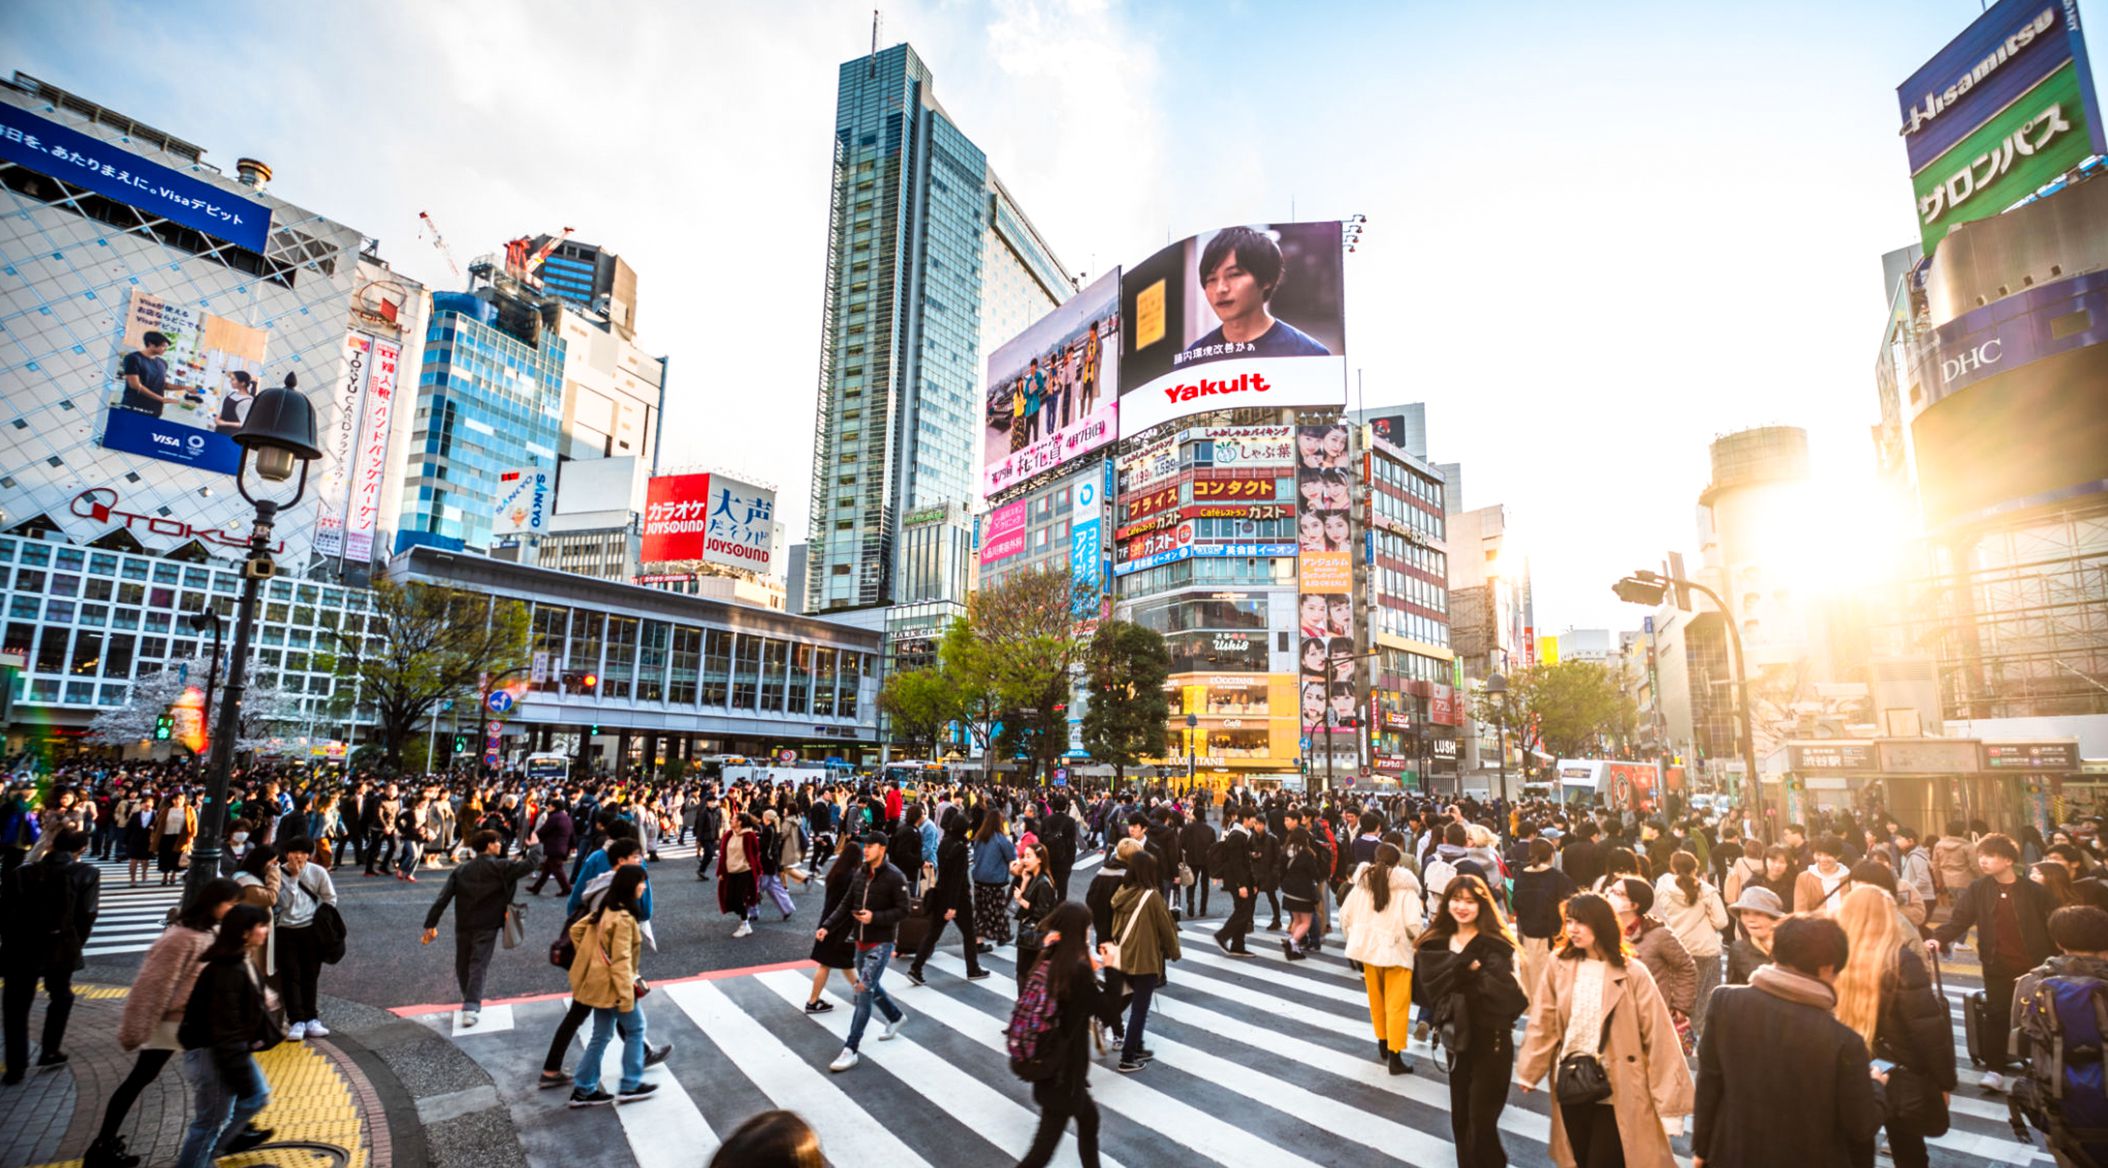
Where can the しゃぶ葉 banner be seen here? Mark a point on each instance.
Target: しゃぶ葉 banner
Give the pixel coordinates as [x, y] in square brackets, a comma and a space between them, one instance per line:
[1052, 390]
[1249, 316]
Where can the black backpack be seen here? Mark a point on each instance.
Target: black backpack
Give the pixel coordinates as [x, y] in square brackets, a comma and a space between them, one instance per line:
[47, 906]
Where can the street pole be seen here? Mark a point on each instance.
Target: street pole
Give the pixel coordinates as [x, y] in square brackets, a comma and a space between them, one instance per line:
[1749, 739]
[1500, 725]
[212, 815]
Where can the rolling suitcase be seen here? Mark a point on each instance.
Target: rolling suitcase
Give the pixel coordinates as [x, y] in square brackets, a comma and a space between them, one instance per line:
[1976, 1014]
[913, 928]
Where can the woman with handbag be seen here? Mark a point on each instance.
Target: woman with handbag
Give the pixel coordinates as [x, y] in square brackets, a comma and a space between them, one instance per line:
[1466, 971]
[1885, 994]
[1302, 874]
[228, 1019]
[1146, 937]
[993, 854]
[1599, 1028]
[1034, 899]
[604, 978]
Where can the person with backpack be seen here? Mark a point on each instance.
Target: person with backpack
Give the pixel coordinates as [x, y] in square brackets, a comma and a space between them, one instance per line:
[225, 1022]
[871, 912]
[2010, 914]
[153, 1012]
[2057, 1007]
[481, 892]
[50, 907]
[586, 897]
[1049, 1037]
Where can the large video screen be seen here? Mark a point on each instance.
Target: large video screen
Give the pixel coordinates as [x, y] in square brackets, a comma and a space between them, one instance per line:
[1052, 392]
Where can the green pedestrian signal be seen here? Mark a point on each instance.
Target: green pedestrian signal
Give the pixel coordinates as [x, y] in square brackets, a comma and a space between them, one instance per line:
[164, 727]
[460, 743]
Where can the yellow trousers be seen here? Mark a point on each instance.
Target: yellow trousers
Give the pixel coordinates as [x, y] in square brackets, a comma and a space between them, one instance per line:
[1390, 1003]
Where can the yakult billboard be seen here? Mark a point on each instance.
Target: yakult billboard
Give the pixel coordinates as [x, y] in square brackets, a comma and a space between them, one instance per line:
[711, 518]
[1240, 317]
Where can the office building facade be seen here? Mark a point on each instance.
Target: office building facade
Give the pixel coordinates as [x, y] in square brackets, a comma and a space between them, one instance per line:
[928, 260]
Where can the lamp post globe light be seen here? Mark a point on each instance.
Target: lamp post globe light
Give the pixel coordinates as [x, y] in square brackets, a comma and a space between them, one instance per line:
[277, 441]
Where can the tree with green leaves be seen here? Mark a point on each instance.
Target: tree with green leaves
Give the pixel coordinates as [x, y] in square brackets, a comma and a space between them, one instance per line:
[919, 704]
[425, 644]
[1129, 667]
[1008, 660]
[1574, 709]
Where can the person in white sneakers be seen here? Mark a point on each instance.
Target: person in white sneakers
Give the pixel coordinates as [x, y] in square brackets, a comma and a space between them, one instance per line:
[871, 911]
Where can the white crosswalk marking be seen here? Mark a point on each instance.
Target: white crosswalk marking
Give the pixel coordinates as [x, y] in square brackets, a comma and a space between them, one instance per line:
[666, 1131]
[131, 917]
[1259, 1063]
[789, 1080]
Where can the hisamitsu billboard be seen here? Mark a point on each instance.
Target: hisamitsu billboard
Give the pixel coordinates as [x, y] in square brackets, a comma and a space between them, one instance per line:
[113, 172]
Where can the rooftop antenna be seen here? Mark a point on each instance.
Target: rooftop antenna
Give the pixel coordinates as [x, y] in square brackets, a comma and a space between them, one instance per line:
[875, 20]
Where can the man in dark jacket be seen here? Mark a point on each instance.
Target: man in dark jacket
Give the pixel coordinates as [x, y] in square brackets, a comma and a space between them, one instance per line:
[48, 911]
[2011, 916]
[1059, 834]
[1810, 1066]
[483, 889]
[349, 804]
[1234, 850]
[1194, 841]
[875, 905]
[554, 835]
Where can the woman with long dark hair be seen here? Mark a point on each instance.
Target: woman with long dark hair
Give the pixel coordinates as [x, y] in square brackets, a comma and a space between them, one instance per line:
[1466, 971]
[1382, 919]
[993, 853]
[225, 1023]
[1147, 937]
[1302, 877]
[1034, 899]
[153, 1011]
[952, 898]
[1596, 1002]
[604, 977]
[836, 952]
[1065, 1094]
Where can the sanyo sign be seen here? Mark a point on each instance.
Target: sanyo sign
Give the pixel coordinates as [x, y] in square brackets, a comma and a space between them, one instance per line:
[1972, 361]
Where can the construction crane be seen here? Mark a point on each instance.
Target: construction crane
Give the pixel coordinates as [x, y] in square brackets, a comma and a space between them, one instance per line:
[438, 240]
[524, 264]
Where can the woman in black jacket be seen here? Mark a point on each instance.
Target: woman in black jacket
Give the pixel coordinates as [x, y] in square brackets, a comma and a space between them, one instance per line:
[1066, 1093]
[1466, 962]
[952, 899]
[839, 950]
[1034, 899]
[1885, 994]
[1302, 874]
[223, 1026]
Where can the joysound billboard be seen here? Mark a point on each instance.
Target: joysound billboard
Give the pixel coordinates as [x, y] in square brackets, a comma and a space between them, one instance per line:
[1247, 316]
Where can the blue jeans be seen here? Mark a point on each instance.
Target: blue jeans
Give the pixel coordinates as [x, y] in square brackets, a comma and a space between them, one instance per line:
[607, 1020]
[222, 1105]
[1144, 987]
[870, 966]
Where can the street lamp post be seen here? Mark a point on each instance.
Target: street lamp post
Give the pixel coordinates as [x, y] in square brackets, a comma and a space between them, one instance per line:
[1648, 588]
[1192, 721]
[280, 435]
[1497, 687]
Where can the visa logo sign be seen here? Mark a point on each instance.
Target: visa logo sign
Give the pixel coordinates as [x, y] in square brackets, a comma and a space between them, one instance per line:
[166, 440]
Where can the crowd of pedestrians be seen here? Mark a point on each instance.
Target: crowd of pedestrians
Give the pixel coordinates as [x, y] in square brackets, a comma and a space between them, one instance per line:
[1657, 975]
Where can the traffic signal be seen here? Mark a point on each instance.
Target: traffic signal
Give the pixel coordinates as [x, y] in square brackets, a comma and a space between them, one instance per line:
[580, 680]
[460, 743]
[164, 727]
[590, 680]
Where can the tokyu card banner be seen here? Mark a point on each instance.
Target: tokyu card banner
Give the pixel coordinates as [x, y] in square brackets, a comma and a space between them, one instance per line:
[355, 448]
[1003, 532]
[1052, 390]
[2003, 109]
[183, 405]
[1248, 316]
[709, 517]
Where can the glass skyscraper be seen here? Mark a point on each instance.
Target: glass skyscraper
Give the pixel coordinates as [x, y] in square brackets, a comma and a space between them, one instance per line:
[488, 400]
[930, 263]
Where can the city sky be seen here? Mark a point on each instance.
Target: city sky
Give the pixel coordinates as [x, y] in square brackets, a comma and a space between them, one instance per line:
[1598, 235]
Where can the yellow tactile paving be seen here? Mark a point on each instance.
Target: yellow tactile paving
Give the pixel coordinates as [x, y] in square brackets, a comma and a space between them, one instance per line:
[311, 1104]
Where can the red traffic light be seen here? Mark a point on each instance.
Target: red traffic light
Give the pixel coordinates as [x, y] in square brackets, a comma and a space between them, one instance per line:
[590, 680]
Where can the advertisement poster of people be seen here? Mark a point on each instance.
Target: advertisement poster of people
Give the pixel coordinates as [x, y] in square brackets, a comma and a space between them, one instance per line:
[181, 384]
[1242, 316]
[1322, 496]
[1325, 641]
[1052, 390]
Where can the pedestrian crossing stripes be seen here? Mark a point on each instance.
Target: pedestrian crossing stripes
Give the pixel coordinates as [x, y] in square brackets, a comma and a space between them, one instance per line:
[1258, 1063]
[131, 916]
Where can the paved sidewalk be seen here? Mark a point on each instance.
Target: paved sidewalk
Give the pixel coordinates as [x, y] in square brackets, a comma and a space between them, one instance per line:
[327, 1108]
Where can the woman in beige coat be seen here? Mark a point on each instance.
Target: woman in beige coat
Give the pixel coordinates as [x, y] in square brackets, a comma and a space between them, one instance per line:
[604, 977]
[1627, 1026]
